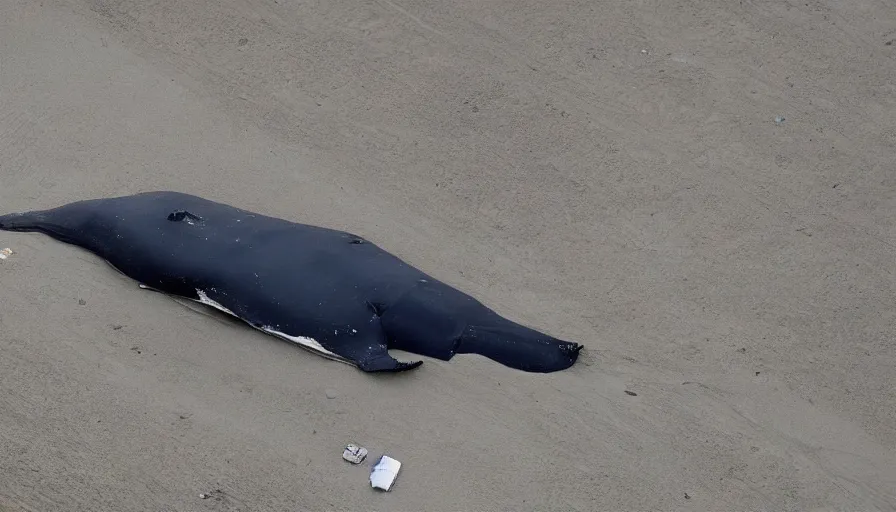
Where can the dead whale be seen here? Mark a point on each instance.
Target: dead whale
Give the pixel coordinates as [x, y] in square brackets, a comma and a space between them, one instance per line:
[329, 291]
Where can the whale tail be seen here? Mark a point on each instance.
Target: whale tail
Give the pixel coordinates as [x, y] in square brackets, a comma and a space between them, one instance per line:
[19, 221]
[42, 222]
[64, 223]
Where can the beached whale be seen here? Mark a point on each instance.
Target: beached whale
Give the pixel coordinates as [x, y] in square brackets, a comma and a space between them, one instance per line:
[329, 291]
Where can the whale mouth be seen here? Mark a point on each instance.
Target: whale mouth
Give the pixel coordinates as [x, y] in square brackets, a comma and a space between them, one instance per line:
[572, 348]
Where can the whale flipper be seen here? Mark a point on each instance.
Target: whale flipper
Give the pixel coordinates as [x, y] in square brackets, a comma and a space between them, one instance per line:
[383, 362]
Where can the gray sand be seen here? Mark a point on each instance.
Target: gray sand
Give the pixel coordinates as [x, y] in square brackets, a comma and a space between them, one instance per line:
[610, 172]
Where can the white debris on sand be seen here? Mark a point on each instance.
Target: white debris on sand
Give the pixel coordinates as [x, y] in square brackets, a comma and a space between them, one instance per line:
[384, 473]
[354, 453]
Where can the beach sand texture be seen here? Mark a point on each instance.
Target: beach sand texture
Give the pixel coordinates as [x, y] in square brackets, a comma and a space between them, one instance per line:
[609, 172]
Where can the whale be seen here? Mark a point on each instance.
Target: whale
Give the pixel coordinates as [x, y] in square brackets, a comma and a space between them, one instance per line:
[329, 291]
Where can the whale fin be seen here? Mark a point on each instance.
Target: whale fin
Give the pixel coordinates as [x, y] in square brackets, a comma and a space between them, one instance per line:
[369, 351]
[383, 362]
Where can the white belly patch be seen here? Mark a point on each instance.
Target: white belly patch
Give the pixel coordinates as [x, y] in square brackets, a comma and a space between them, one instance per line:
[204, 299]
[303, 341]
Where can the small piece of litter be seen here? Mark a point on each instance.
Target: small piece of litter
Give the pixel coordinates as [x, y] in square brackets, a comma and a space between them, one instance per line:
[779, 119]
[5, 253]
[331, 393]
[384, 473]
[354, 453]
[644, 52]
[203, 496]
[630, 393]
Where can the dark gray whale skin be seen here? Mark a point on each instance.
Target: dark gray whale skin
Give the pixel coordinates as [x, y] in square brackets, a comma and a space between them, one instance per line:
[354, 298]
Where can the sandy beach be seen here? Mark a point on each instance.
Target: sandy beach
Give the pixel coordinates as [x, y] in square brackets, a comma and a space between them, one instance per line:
[701, 193]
